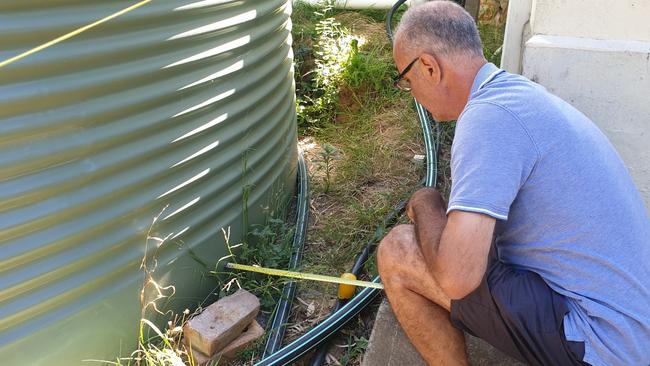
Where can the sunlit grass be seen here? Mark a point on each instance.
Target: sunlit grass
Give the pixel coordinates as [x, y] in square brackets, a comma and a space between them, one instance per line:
[326, 58]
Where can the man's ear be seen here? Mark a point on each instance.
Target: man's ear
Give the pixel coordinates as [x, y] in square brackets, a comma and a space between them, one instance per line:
[430, 68]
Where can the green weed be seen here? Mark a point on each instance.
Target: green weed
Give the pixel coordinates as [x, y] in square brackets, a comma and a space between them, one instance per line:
[269, 245]
[325, 162]
[356, 347]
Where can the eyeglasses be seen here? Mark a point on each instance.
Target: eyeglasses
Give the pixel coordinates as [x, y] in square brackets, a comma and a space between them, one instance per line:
[403, 84]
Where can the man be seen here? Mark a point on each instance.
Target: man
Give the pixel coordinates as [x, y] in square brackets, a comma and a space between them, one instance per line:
[544, 249]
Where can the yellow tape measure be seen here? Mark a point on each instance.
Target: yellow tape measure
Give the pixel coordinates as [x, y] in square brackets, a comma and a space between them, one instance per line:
[304, 276]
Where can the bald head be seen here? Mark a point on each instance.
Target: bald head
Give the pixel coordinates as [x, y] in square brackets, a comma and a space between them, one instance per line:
[440, 27]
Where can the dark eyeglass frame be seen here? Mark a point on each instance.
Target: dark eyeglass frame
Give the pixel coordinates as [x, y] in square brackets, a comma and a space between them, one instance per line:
[398, 78]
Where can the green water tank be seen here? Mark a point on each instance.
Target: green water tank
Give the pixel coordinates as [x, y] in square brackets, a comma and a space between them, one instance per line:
[181, 110]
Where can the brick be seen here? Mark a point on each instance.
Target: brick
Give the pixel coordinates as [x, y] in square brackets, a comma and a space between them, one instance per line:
[221, 323]
[250, 335]
[229, 353]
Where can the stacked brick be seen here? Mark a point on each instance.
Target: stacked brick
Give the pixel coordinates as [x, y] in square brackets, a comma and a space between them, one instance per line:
[223, 329]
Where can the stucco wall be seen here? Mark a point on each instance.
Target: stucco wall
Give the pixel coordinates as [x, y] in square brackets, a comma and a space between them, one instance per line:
[595, 55]
[598, 19]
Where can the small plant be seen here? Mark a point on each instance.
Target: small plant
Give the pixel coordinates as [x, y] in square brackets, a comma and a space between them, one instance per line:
[270, 247]
[355, 349]
[359, 346]
[272, 244]
[325, 162]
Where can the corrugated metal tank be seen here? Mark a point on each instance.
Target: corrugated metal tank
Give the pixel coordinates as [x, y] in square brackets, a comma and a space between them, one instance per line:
[178, 104]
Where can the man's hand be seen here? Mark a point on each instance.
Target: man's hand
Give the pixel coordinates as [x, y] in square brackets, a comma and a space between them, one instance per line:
[426, 209]
[425, 199]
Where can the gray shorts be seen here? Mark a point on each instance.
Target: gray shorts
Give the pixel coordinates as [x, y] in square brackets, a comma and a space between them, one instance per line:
[519, 314]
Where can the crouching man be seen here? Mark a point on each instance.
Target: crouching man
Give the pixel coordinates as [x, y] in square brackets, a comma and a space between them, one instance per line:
[544, 248]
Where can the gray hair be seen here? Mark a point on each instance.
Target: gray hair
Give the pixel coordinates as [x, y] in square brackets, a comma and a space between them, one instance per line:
[442, 27]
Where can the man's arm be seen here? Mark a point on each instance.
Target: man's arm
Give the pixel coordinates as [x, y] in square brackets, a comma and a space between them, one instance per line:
[458, 257]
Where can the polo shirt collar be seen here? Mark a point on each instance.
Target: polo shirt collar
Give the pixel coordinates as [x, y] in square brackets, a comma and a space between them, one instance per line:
[484, 75]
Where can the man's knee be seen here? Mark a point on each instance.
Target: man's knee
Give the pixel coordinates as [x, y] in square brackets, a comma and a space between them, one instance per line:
[402, 267]
[398, 244]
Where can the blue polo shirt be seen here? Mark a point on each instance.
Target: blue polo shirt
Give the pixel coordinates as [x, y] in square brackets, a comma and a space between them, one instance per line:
[566, 209]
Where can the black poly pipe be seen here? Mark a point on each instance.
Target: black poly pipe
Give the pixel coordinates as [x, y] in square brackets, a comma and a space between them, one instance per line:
[281, 313]
[319, 333]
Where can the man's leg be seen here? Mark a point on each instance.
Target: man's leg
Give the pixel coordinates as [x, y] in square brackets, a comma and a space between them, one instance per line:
[421, 307]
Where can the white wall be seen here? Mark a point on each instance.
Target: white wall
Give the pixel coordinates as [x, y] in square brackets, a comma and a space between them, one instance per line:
[598, 19]
[595, 54]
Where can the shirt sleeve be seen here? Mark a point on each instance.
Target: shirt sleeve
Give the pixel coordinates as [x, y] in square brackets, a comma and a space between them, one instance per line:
[492, 157]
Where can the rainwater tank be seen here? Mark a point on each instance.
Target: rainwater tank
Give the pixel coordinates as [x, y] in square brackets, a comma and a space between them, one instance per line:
[179, 110]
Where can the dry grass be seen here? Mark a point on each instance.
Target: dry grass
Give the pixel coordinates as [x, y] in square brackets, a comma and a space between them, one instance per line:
[365, 27]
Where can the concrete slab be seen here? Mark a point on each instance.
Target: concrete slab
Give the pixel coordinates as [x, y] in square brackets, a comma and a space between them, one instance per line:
[389, 346]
